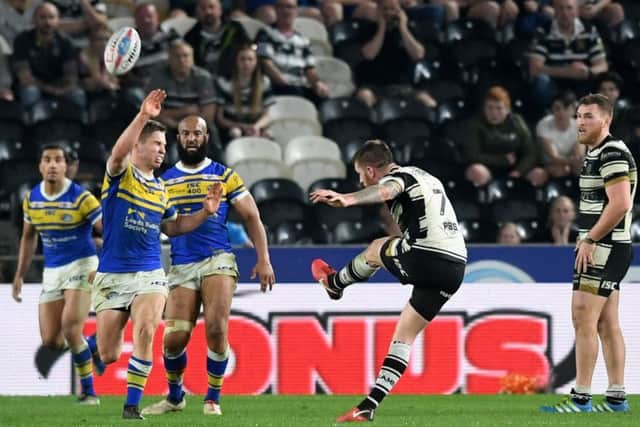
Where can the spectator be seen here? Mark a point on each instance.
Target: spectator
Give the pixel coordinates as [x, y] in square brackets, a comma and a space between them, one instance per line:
[451, 8]
[95, 78]
[6, 93]
[286, 57]
[508, 234]
[154, 52]
[189, 88]
[561, 230]
[120, 8]
[534, 15]
[610, 85]
[499, 143]
[16, 16]
[238, 236]
[567, 56]
[213, 40]
[243, 99]
[604, 11]
[558, 134]
[80, 16]
[46, 62]
[394, 44]
[497, 14]
[73, 164]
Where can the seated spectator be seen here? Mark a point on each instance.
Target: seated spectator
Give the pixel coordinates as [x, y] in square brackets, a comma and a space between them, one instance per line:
[610, 85]
[497, 14]
[603, 11]
[189, 88]
[394, 44]
[534, 15]
[499, 143]
[95, 78]
[243, 99]
[286, 57]
[46, 62]
[561, 229]
[154, 52]
[16, 16]
[238, 237]
[566, 57]
[508, 234]
[6, 93]
[558, 134]
[213, 41]
[80, 16]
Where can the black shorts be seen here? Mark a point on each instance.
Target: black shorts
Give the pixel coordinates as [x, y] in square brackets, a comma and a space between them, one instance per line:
[612, 262]
[434, 278]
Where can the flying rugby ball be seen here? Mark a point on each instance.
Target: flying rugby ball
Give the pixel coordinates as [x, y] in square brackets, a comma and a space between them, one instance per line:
[122, 51]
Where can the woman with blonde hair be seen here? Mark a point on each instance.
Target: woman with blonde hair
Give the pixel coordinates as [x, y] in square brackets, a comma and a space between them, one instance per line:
[243, 97]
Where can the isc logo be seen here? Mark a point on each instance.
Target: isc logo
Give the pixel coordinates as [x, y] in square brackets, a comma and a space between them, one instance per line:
[607, 284]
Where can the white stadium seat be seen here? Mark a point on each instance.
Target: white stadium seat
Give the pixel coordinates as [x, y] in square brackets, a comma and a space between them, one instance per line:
[292, 116]
[317, 34]
[255, 158]
[336, 74]
[251, 26]
[311, 158]
[180, 24]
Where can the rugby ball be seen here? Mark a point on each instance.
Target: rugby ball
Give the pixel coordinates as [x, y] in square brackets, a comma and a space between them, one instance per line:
[122, 51]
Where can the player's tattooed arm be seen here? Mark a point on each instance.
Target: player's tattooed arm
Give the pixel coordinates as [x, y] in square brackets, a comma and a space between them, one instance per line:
[375, 194]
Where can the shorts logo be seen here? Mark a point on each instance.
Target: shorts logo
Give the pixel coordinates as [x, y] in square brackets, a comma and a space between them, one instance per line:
[111, 295]
[399, 267]
[445, 294]
[162, 283]
[77, 278]
[607, 284]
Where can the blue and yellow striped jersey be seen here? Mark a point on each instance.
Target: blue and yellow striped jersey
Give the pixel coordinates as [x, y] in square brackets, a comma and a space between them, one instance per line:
[187, 188]
[133, 206]
[64, 222]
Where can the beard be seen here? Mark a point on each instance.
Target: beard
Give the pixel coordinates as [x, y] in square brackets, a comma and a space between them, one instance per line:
[192, 157]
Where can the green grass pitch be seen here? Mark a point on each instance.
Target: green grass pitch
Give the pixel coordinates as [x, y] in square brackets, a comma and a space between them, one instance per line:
[308, 411]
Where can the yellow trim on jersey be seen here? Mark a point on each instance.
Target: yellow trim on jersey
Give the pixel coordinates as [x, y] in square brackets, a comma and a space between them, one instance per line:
[139, 202]
[617, 180]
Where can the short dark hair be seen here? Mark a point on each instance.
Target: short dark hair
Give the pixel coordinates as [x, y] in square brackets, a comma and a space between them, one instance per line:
[598, 99]
[374, 153]
[150, 127]
[54, 146]
[609, 76]
[566, 98]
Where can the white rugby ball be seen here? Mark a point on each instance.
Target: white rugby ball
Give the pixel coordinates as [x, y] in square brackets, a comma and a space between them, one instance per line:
[122, 51]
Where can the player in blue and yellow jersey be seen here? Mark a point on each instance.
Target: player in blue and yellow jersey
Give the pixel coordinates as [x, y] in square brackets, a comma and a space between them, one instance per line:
[63, 214]
[203, 267]
[130, 281]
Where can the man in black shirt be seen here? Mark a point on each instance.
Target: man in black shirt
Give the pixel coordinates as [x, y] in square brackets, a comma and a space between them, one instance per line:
[213, 40]
[388, 58]
[45, 61]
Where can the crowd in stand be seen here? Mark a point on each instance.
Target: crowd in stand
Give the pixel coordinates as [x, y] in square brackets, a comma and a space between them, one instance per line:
[481, 93]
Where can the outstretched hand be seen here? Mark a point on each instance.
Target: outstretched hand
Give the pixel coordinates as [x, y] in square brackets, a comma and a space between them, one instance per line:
[211, 202]
[331, 198]
[152, 104]
[265, 274]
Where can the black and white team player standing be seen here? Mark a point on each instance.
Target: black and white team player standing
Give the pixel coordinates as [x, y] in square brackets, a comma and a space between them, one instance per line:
[603, 255]
[430, 254]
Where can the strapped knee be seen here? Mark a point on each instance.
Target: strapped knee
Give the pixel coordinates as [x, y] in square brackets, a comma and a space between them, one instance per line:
[177, 325]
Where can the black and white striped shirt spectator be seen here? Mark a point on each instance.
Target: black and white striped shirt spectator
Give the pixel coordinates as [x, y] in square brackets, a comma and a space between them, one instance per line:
[290, 53]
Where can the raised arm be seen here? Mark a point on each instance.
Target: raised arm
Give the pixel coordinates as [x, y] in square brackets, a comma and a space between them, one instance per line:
[150, 108]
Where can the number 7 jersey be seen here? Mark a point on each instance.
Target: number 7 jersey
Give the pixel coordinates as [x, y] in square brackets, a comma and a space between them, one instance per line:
[425, 214]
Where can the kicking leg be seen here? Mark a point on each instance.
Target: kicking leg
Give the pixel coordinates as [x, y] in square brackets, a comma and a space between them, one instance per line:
[181, 313]
[359, 269]
[217, 293]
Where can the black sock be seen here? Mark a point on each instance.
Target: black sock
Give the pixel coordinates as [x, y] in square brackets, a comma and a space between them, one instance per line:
[356, 271]
[392, 369]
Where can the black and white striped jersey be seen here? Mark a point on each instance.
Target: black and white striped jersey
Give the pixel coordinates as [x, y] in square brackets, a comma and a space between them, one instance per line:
[424, 213]
[608, 163]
